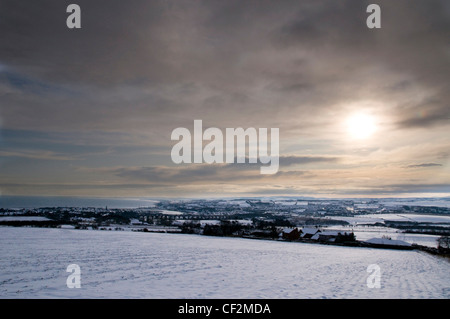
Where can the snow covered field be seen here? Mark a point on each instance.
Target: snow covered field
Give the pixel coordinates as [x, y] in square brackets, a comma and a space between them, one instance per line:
[118, 264]
[380, 218]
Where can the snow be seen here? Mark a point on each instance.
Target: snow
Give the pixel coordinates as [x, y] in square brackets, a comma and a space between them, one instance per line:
[438, 202]
[67, 226]
[151, 265]
[363, 233]
[170, 212]
[410, 217]
[241, 203]
[326, 233]
[386, 241]
[288, 230]
[380, 218]
[135, 221]
[309, 230]
[204, 222]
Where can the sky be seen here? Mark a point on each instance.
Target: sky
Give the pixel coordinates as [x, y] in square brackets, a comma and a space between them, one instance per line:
[89, 112]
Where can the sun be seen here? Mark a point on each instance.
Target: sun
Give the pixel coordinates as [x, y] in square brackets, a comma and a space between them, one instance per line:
[361, 126]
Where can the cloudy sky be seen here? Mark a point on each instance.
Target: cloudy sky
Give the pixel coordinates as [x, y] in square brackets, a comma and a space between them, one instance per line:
[90, 111]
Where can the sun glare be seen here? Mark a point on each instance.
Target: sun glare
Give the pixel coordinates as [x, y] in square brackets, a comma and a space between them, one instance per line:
[361, 126]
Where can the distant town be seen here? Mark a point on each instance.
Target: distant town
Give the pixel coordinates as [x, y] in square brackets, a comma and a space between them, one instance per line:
[314, 221]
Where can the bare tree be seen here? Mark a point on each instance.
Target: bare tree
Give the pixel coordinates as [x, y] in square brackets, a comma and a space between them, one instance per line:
[443, 242]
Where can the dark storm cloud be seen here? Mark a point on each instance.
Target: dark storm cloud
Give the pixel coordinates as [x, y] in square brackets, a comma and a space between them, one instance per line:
[191, 174]
[321, 24]
[37, 41]
[198, 174]
[138, 69]
[413, 41]
[216, 59]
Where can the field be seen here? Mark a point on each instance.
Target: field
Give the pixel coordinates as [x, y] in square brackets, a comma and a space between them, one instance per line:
[121, 264]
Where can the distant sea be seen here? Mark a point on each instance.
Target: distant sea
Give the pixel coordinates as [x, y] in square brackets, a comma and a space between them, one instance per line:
[7, 201]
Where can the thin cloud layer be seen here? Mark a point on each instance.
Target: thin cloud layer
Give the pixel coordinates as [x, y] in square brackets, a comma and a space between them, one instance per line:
[108, 95]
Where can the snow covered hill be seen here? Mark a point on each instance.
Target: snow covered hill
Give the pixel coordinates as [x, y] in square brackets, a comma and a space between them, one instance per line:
[117, 264]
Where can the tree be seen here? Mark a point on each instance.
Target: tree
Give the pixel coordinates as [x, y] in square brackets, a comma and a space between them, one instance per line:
[346, 237]
[443, 243]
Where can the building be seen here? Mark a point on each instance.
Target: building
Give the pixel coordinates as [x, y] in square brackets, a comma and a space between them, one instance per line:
[325, 236]
[290, 233]
[308, 232]
[332, 236]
